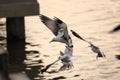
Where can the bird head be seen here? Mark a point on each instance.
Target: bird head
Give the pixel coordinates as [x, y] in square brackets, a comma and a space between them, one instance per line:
[90, 46]
[72, 31]
[71, 46]
[52, 40]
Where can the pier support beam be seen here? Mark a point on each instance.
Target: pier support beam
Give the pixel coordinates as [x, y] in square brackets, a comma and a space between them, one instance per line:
[16, 39]
[3, 64]
[15, 28]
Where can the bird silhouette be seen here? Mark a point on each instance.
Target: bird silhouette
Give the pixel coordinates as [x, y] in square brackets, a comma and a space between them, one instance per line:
[58, 28]
[115, 29]
[66, 58]
[94, 48]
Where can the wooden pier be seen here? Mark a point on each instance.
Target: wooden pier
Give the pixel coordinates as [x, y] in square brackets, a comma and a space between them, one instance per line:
[15, 11]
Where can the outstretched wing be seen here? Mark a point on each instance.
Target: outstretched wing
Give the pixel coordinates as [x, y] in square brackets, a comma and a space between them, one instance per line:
[62, 25]
[77, 35]
[97, 50]
[49, 23]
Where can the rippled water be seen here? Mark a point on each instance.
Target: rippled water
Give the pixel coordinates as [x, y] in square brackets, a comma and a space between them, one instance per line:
[92, 19]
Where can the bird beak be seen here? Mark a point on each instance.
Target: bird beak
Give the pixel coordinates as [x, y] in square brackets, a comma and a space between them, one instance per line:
[66, 46]
[89, 46]
[50, 41]
[71, 30]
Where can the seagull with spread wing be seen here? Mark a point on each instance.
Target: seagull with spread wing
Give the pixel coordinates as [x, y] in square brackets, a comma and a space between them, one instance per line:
[93, 47]
[66, 57]
[58, 28]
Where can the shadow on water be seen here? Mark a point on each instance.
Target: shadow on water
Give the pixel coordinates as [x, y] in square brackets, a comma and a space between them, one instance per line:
[58, 78]
[33, 65]
[117, 57]
[3, 64]
[18, 56]
[16, 51]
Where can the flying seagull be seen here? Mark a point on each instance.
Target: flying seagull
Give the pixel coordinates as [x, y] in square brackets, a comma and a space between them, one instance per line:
[58, 28]
[97, 50]
[66, 58]
[115, 29]
[93, 47]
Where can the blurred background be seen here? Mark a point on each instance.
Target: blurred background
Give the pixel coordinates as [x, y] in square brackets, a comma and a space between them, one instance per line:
[93, 20]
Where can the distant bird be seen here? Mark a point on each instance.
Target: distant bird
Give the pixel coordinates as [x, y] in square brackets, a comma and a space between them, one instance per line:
[93, 47]
[115, 29]
[97, 50]
[58, 28]
[66, 58]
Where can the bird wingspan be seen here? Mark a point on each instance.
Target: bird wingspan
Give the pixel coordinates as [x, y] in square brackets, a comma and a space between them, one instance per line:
[49, 23]
[62, 25]
[94, 45]
[77, 35]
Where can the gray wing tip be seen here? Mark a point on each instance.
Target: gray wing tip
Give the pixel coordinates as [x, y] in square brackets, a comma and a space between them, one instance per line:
[58, 20]
[41, 16]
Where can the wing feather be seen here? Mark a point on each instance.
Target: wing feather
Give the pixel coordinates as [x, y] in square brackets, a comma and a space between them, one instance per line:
[62, 25]
[49, 23]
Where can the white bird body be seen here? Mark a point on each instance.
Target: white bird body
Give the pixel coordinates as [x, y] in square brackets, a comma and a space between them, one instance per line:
[97, 50]
[67, 53]
[66, 58]
[59, 38]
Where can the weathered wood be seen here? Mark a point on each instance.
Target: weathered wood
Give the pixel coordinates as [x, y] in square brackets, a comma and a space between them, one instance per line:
[15, 29]
[14, 11]
[3, 64]
[18, 8]
[16, 51]
[16, 40]
[15, 1]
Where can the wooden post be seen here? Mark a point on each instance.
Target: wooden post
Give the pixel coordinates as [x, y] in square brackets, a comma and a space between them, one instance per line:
[14, 12]
[16, 39]
[3, 64]
[15, 29]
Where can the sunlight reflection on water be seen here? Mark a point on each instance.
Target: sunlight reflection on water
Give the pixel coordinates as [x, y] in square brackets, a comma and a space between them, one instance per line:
[91, 19]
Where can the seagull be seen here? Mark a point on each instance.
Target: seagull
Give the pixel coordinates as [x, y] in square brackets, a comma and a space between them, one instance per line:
[115, 29]
[94, 48]
[97, 50]
[58, 28]
[66, 58]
